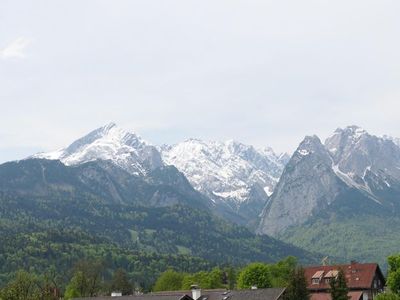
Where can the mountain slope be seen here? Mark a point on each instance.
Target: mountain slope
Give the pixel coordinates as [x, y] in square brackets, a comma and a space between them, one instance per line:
[230, 173]
[52, 214]
[235, 177]
[331, 197]
[307, 184]
[163, 186]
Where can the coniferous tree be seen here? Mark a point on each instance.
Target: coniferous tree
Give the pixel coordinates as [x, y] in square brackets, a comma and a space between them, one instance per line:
[297, 286]
[339, 290]
[231, 277]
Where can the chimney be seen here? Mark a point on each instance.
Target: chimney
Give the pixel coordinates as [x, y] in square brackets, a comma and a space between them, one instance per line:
[196, 292]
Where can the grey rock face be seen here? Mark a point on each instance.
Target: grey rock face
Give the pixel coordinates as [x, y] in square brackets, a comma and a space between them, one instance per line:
[317, 174]
[307, 183]
[393, 139]
[359, 155]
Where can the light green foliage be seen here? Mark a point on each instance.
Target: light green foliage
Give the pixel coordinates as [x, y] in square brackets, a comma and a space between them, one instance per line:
[393, 280]
[23, 287]
[387, 296]
[215, 280]
[206, 280]
[200, 279]
[339, 290]
[255, 274]
[272, 275]
[280, 272]
[170, 280]
[27, 286]
[76, 287]
[86, 281]
[297, 286]
[259, 274]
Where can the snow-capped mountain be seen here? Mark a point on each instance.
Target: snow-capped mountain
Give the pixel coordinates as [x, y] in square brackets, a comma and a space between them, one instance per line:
[351, 162]
[229, 172]
[110, 142]
[237, 178]
[358, 157]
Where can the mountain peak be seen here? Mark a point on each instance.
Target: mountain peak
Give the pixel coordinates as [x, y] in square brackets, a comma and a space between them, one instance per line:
[341, 137]
[113, 131]
[311, 140]
[309, 145]
[108, 126]
[110, 142]
[352, 130]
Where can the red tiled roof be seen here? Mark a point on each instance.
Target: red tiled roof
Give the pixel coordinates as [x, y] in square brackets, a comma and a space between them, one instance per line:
[358, 276]
[327, 296]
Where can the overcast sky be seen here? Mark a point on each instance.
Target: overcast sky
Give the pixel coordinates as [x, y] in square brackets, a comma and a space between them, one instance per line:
[265, 73]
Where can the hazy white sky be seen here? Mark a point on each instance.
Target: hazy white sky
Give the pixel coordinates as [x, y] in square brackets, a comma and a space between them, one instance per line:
[262, 72]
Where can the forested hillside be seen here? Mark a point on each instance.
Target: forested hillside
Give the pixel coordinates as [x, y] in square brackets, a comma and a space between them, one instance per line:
[60, 222]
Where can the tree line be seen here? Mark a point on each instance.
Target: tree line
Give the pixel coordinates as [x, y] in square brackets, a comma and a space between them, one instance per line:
[89, 278]
[285, 273]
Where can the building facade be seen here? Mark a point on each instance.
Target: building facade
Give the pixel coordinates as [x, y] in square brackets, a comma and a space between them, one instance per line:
[366, 280]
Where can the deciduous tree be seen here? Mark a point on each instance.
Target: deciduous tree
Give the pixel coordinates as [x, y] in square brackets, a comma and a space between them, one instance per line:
[170, 280]
[120, 282]
[387, 296]
[256, 274]
[393, 280]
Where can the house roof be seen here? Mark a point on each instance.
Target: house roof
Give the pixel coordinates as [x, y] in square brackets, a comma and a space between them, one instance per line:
[258, 294]
[318, 275]
[141, 297]
[356, 295]
[358, 276]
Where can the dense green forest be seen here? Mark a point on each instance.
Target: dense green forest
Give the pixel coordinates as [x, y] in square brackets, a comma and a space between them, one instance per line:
[39, 234]
[53, 216]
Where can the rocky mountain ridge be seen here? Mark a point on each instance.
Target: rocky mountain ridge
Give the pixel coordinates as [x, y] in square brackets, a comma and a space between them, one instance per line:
[250, 186]
[110, 142]
[236, 178]
[238, 175]
[318, 174]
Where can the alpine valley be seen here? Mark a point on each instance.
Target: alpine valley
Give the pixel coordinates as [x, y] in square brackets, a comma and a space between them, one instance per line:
[197, 204]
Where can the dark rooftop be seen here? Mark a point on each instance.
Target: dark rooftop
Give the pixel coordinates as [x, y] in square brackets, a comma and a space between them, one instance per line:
[257, 294]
